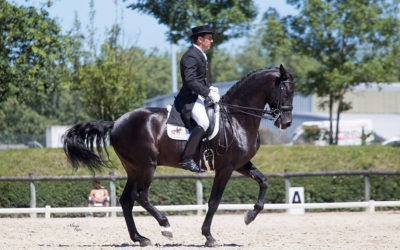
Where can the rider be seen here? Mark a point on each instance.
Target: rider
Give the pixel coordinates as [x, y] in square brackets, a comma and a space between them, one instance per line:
[190, 99]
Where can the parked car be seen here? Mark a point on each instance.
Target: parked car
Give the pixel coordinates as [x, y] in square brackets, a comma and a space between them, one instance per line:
[350, 132]
[395, 141]
[34, 144]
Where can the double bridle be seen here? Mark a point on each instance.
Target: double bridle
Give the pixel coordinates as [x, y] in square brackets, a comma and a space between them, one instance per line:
[272, 114]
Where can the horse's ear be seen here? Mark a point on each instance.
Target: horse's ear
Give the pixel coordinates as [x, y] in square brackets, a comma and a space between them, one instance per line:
[282, 70]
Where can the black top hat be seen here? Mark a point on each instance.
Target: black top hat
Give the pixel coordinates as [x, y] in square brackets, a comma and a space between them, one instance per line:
[199, 30]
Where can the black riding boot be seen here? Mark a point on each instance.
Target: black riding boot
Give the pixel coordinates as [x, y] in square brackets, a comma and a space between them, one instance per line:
[190, 150]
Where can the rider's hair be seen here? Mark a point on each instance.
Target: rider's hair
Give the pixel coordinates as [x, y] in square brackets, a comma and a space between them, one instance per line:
[196, 37]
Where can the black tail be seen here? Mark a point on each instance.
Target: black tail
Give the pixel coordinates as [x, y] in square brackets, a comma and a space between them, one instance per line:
[79, 144]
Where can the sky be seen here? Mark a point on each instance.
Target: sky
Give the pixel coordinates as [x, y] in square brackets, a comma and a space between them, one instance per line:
[139, 29]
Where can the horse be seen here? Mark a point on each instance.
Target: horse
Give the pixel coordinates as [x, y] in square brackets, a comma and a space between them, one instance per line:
[140, 140]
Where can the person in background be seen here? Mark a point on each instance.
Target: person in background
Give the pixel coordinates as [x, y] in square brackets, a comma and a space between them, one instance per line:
[98, 197]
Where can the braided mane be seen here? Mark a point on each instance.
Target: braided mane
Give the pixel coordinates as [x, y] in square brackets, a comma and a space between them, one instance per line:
[244, 80]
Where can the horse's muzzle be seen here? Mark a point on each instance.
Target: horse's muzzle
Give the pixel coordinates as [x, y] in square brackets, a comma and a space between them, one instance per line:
[284, 121]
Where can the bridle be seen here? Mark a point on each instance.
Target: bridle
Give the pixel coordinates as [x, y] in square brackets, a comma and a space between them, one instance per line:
[272, 114]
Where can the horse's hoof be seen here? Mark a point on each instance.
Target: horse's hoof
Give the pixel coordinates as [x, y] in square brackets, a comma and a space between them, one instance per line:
[167, 232]
[145, 243]
[211, 243]
[248, 217]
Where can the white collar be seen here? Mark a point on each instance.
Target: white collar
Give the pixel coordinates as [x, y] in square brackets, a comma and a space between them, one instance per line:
[204, 54]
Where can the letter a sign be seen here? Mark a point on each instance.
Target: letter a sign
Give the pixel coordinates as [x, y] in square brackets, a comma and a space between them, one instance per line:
[296, 196]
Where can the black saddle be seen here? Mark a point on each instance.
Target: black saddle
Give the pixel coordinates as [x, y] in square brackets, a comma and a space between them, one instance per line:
[210, 110]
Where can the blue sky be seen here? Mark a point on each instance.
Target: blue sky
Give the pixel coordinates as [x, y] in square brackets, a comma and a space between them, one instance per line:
[139, 29]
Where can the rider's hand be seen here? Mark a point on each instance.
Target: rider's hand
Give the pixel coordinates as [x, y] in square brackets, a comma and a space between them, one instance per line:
[212, 88]
[214, 96]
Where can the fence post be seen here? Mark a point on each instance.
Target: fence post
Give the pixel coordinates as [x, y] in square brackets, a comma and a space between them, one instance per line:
[47, 213]
[367, 186]
[113, 194]
[287, 185]
[32, 194]
[367, 192]
[199, 194]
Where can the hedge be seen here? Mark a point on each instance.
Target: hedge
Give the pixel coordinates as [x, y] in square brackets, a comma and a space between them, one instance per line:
[183, 191]
[239, 190]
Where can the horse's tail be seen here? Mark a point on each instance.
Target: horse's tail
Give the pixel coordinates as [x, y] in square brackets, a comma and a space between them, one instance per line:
[79, 142]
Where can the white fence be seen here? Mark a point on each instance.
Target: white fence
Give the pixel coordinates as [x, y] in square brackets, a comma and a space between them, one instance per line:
[368, 205]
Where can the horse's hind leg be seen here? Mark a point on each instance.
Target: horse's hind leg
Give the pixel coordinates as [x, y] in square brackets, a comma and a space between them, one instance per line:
[143, 200]
[127, 200]
[251, 171]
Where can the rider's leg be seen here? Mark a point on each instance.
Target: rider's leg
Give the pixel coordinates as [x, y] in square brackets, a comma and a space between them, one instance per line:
[199, 115]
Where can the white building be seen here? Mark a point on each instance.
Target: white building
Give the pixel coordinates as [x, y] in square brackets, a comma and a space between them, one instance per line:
[54, 136]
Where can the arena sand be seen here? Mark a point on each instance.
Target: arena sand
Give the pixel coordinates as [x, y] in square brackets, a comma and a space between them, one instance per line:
[342, 230]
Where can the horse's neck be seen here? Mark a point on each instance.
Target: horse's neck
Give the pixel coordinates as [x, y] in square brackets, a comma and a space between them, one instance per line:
[249, 119]
[252, 99]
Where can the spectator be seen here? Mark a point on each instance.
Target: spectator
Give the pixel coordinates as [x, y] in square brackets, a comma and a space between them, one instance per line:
[98, 197]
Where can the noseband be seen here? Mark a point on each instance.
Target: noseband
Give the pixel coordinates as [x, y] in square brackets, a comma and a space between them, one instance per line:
[281, 108]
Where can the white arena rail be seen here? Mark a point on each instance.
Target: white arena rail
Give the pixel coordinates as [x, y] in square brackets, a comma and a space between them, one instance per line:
[369, 205]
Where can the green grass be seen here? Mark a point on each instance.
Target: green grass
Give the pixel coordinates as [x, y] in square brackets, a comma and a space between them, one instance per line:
[329, 158]
[53, 162]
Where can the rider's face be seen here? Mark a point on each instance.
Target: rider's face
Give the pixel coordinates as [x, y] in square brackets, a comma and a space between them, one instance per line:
[205, 41]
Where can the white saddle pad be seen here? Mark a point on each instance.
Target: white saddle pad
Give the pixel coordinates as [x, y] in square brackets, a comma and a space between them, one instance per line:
[181, 133]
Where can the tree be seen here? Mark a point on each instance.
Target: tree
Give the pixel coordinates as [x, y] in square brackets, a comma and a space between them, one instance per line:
[225, 67]
[228, 19]
[34, 77]
[19, 123]
[353, 41]
[270, 45]
[108, 81]
[31, 53]
[154, 72]
[277, 44]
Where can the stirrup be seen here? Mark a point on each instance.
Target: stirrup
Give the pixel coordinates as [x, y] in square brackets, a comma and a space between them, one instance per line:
[191, 165]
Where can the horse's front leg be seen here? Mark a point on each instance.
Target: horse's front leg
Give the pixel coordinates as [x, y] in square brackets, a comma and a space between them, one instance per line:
[251, 171]
[221, 178]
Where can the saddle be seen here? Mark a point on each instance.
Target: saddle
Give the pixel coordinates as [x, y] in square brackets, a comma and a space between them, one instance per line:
[176, 130]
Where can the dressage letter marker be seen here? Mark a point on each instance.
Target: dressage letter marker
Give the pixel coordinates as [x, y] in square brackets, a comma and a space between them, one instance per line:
[296, 196]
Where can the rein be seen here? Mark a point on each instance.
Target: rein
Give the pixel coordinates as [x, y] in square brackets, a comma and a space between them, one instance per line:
[272, 114]
[275, 112]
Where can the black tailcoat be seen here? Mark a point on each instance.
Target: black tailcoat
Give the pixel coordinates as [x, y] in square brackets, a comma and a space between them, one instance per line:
[193, 67]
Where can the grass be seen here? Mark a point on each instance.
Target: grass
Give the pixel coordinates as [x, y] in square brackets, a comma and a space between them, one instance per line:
[53, 162]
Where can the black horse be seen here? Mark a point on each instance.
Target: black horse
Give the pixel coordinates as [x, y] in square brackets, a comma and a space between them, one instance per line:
[140, 140]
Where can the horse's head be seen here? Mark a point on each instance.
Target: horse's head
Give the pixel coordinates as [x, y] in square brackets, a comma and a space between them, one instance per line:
[271, 86]
[282, 98]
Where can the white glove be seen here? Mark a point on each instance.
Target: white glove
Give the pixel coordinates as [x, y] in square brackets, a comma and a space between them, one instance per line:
[212, 88]
[214, 96]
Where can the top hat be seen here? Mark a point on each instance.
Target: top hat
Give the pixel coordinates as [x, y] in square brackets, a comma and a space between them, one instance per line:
[204, 29]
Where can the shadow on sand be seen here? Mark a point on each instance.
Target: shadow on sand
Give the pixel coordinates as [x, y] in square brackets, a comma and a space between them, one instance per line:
[137, 245]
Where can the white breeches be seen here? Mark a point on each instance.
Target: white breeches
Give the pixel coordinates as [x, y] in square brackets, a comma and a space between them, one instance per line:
[199, 114]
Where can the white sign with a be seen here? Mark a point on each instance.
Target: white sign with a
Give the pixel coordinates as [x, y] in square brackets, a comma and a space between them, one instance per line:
[296, 196]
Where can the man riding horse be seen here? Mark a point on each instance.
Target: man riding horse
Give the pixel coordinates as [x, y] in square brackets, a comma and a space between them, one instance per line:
[194, 91]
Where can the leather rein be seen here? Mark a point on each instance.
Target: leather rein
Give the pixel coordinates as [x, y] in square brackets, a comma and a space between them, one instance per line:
[265, 113]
